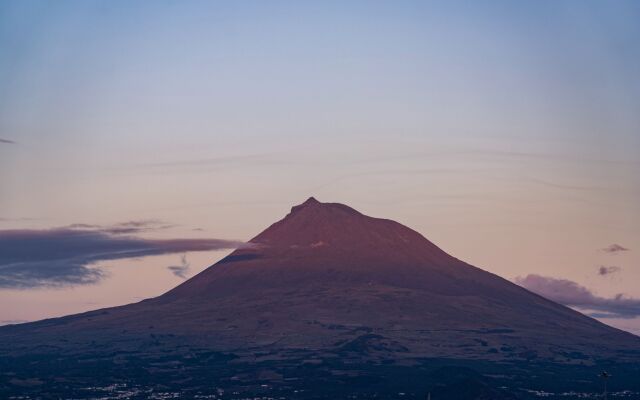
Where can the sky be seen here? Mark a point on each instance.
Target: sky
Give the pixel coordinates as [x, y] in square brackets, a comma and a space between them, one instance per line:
[147, 139]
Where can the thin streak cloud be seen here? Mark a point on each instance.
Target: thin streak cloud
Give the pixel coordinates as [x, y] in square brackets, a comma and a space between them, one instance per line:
[614, 248]
[565, 186]
[608, 270]
[128, 227]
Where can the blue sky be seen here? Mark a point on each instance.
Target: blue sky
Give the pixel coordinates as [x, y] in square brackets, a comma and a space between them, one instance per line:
[506, 132]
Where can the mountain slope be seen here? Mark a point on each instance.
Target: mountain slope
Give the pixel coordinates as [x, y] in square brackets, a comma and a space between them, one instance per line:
[326, 273]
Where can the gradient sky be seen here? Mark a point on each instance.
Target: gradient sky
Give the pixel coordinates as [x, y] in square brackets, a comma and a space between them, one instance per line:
[508, 133]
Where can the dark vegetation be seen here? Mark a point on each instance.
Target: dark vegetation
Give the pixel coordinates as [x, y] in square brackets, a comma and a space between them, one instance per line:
[298, 375]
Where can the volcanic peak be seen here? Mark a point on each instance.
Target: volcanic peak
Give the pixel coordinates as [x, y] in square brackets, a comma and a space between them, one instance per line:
[335, 233]
[314, 221]
[313, 204]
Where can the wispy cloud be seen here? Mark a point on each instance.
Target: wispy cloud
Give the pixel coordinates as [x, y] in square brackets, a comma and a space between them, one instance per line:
[182, 270]
[64, 256]
[614, 248]
[12, 321]
[608, 270]
[572, 294]
[128, 227]
[7, 141]
[3, 219]
[564, 185]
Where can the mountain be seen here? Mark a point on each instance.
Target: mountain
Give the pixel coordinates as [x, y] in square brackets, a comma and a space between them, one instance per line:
[328, 295]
